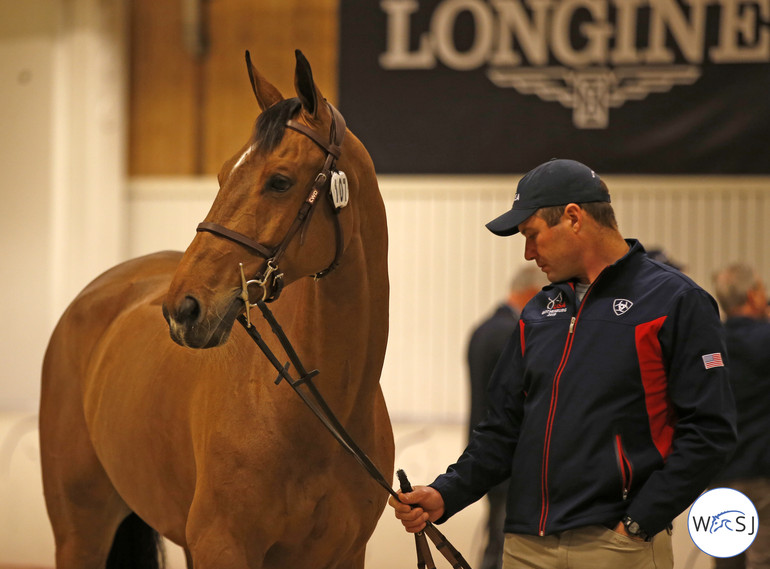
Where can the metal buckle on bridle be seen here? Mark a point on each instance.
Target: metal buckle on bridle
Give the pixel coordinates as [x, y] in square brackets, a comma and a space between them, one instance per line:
[262, 283]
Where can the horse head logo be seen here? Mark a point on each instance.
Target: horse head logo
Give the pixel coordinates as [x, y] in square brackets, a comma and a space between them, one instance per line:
[725, 520]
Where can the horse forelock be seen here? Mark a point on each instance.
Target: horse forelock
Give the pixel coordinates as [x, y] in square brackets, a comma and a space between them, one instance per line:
[271, 124]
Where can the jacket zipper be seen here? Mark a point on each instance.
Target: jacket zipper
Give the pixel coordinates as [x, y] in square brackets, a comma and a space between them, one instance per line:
[626, 471]
[549, 424]
[552, 413]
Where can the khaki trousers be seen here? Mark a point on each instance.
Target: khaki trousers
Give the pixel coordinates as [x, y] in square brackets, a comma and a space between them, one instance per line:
[591, 547]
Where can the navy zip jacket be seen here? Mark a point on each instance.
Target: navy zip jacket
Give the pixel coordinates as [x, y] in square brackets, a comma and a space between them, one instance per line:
[617, 405]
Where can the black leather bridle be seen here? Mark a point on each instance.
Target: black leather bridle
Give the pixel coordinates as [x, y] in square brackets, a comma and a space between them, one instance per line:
[269, 277]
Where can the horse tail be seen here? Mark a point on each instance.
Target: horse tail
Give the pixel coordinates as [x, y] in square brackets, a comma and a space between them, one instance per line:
[136, 546]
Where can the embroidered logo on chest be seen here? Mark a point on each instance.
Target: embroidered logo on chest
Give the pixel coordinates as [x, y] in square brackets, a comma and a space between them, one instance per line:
[555, 306]
[621, 306]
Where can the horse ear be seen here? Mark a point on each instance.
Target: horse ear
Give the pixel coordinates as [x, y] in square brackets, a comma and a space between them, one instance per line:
[267, 95]
[307, 91]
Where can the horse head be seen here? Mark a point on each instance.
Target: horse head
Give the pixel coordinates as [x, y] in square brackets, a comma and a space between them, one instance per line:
[271, 218]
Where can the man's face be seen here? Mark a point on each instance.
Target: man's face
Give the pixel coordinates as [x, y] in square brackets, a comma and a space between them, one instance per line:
[758, 299]
[552, 248]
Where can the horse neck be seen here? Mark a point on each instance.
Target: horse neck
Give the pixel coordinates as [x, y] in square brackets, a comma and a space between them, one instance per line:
[340, 322]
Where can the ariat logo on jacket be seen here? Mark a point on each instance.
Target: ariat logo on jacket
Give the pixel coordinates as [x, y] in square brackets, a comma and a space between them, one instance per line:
[621, 306]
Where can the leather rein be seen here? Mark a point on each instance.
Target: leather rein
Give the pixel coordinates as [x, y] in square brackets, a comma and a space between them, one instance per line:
[269, 278]
[317, 404]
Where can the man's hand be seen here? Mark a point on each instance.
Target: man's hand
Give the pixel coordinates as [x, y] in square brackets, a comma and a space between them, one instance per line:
[621, 529]
[414, 519]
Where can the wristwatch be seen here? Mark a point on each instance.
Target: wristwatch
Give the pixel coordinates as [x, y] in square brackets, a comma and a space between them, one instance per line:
[634, 529]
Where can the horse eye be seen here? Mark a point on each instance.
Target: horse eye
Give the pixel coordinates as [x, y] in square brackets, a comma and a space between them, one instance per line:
[278, 184]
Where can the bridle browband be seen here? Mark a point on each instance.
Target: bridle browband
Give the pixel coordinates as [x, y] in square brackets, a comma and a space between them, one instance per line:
[269, 278]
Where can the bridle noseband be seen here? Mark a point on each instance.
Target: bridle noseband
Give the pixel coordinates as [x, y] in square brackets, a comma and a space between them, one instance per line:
[270, 278]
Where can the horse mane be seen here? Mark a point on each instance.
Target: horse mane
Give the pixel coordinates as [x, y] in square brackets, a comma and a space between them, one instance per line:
[271, 124]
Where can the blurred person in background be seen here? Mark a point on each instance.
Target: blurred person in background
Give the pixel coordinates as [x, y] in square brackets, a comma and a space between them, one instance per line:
[484, 349]
[743, 298]
[660, 256]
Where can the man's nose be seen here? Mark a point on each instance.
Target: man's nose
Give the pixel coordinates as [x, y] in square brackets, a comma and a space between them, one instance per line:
[529, 252]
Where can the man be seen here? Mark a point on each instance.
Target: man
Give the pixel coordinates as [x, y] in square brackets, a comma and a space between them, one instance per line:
[742, 296]
[610, 408]
[484, 349]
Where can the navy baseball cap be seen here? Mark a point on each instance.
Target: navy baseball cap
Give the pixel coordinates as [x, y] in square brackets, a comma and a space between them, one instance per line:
[557, 182]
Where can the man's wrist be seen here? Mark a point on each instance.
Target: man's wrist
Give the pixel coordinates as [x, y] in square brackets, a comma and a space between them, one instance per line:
[634, 529]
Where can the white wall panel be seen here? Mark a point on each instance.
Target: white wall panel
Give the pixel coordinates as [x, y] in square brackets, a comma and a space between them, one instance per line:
[447, 271]
[61, 100]
[163, 213]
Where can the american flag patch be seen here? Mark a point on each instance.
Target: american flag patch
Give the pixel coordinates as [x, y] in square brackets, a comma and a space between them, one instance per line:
[713, 360]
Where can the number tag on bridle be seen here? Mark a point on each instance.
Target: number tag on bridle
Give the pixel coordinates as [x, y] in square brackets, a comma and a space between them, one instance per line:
[339, 189]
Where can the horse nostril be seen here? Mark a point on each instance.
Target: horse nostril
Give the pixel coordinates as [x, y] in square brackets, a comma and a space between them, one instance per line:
[189, 311]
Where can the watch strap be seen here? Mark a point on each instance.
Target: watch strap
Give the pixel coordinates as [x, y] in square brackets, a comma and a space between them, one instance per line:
[634, 529]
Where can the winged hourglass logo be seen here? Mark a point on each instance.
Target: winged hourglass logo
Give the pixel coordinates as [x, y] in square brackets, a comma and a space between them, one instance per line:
[592, 92]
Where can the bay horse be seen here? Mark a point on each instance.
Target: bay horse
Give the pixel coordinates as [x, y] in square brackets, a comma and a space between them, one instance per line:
[175, 424]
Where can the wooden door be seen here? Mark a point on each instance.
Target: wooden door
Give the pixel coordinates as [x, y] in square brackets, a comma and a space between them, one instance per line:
[191, 105]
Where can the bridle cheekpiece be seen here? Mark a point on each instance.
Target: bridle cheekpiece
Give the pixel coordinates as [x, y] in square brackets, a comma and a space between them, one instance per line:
[270, 278]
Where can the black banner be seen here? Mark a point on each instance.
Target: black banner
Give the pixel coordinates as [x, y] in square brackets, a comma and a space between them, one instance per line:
[500, 86]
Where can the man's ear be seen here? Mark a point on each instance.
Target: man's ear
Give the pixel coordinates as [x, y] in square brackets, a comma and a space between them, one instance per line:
[574, 214]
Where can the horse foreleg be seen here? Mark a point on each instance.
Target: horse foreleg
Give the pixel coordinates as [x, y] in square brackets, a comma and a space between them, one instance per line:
[353, 562]
[188, 558]
[85, 512]
[83, 507]
[218, 539]
[87, 545]
[218, 548]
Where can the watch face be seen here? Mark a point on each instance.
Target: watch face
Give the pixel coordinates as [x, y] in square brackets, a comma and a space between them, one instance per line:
[633, 528]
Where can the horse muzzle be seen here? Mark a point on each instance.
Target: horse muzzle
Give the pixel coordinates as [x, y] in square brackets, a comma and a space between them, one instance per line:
[191, 326]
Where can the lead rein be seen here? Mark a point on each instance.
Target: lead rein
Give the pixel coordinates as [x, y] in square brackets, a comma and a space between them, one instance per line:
[317, 404]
